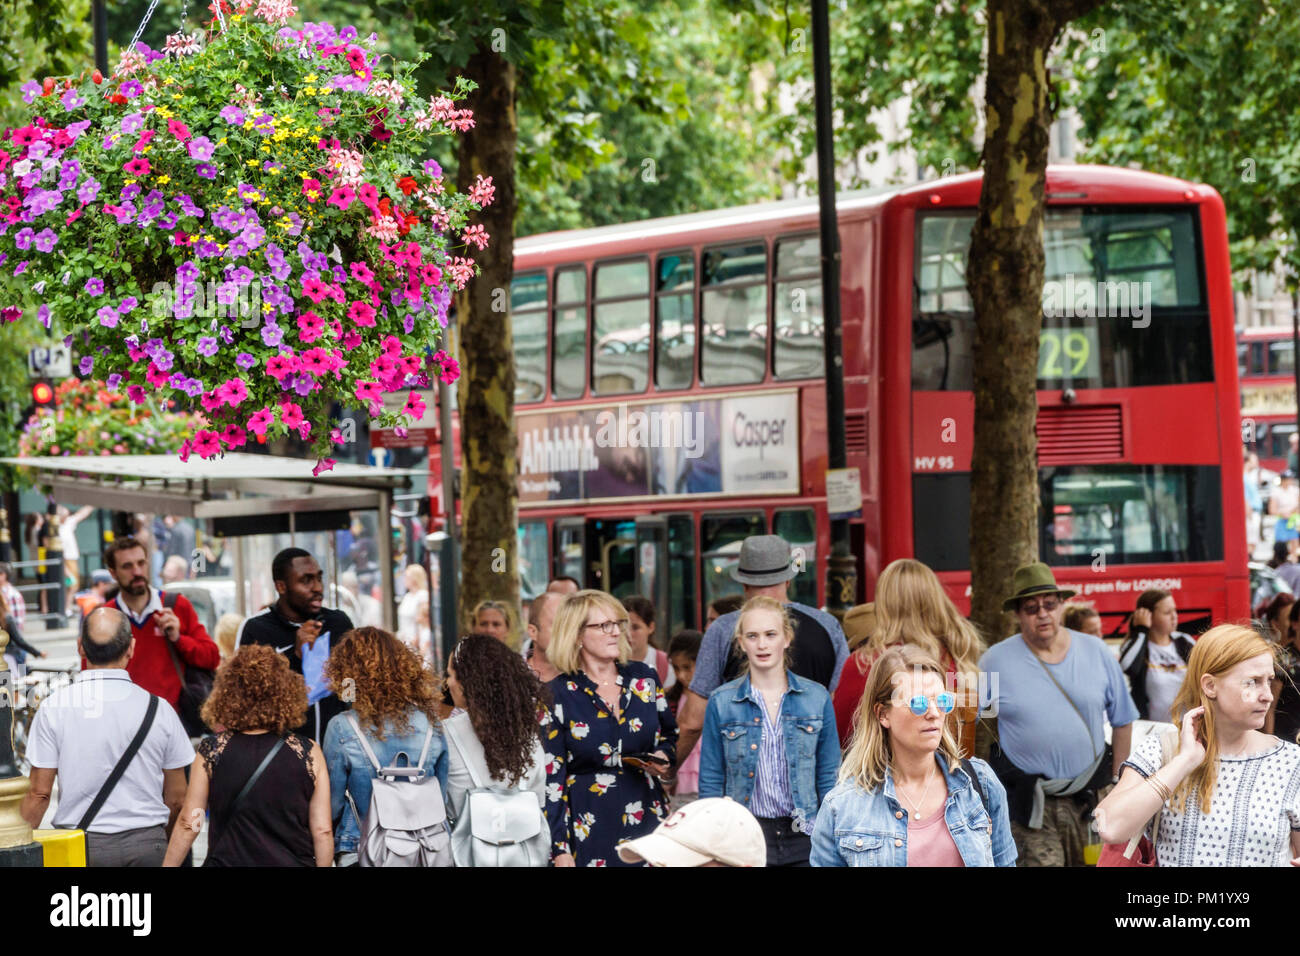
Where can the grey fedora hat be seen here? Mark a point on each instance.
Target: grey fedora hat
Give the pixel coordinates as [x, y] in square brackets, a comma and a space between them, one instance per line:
[764, 559]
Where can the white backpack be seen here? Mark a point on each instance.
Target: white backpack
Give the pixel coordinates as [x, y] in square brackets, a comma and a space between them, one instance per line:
[406, 824]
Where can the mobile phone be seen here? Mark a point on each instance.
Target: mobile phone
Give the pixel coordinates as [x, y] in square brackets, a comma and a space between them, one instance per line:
[644, 761]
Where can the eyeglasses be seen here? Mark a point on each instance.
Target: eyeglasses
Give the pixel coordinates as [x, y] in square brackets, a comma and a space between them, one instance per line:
[611, 627]
[944, 702]
[1047, 604]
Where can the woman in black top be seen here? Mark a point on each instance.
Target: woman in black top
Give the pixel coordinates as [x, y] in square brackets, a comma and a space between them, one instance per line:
[18, 647]
[284, 820]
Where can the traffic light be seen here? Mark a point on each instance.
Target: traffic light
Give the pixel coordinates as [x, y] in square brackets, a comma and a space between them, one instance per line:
[42, 394]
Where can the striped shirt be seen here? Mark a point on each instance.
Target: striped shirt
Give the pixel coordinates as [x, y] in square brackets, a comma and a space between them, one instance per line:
[772, 797]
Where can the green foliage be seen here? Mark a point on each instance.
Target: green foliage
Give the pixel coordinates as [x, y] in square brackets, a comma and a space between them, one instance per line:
[1205, 91]
[40, 38]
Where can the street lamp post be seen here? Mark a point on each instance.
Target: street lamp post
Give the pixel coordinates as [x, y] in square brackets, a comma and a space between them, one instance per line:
[841, 568]
[100, 20]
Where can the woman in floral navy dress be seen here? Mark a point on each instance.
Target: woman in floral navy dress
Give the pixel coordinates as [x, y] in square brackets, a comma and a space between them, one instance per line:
[604, 708]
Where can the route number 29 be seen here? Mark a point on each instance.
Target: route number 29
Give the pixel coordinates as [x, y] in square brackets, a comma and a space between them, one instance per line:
[1063, 353]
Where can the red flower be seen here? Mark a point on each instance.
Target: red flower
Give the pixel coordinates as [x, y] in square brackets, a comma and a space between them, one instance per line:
[407, 185]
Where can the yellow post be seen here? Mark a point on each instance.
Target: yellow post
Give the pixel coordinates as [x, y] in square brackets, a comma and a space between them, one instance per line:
[62, 847]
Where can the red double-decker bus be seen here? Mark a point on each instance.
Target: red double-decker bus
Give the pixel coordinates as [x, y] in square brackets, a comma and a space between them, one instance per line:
[671, 398]
[1266, 367]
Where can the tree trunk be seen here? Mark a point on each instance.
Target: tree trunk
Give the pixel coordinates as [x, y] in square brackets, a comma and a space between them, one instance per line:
[1005, 278]
[486, 394]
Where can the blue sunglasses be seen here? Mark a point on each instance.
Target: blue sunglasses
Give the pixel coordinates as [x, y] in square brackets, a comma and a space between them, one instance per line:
[920, 703]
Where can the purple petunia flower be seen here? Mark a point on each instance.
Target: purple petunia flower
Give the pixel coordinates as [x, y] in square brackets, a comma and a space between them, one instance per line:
[43, 313]
[128, 305]
[264, 125]
[23, 240]
[95, 285]
[45, 240]
[130, 191]
[86, 365]
[107, 317]
[131, 89]
[188, 207]
[272, 334]
[41, 201]
[69, 173]
[232, 115]
[71, 100]
[408, 323]
[30, 90]
[21, 267]
[206, 171]
[88, 190]
[201, 148]
[163, 359]
[432, 169]
[132, 123]
[226, 335]
[74, 130]
[245, 361]
[207, 346]
[113, 381]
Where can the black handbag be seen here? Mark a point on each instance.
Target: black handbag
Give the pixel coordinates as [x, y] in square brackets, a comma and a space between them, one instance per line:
[196, 684]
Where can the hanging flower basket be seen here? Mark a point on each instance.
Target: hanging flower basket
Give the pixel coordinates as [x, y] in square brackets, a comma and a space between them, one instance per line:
[246, 224]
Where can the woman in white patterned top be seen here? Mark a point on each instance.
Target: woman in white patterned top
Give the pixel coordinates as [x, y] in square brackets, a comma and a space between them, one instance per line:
[1230, 796]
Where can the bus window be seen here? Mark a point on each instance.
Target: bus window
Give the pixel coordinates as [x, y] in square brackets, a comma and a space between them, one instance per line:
[1281, 358]
[734, 315]
[620, 355]
[798, 527]
[1123, 301]
[534, 559]
[570, 333]
[681, 574]
[528, 328]
[720, 539]
[797, 344]
[675, 320]
[1243, 351]
[1134, 514]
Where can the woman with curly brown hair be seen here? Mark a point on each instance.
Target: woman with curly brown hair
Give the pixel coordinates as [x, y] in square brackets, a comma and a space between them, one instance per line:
[394, 704]
[283, 818]
[493, 739]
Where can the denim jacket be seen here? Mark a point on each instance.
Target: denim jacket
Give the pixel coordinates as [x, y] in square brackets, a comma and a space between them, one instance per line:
[351, 770]
[733, 727]
[860, 828]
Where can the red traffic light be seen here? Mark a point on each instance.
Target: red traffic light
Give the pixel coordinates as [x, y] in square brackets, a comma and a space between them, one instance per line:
[43, 393]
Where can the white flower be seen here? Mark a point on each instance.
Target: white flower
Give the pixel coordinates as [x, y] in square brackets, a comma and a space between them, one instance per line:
[22, 167]
[554, 793]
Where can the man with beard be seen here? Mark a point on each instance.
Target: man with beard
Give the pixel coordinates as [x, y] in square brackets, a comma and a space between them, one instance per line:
[161, 624]
[297, 621]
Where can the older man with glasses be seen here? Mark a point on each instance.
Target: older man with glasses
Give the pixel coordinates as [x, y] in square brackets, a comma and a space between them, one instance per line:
[1052, 690]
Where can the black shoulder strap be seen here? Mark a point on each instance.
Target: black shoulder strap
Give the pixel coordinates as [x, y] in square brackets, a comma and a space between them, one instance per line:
[238, 802]
[168, 600]
[975, 779]
[123, 762]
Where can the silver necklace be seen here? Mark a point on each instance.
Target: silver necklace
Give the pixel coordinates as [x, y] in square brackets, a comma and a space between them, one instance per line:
[916, 811]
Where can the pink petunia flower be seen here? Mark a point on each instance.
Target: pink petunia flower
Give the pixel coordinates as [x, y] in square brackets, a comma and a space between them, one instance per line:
[362, 313]
[281, 366]
[135, 393]
[368, 391]
[342, 197]
[233, 436]
[323, 464]
[207, 444]
[369, 196]
[291, 415]
[178, 129]
[350, 340]
[414, 406]
[233, 392]
[361, 272]
[314, 289]
[261, 420]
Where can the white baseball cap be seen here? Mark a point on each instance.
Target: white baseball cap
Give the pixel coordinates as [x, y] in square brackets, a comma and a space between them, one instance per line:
[715, 828]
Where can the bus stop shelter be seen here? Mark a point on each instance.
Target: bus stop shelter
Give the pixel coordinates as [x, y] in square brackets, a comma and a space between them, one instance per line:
[239, 494]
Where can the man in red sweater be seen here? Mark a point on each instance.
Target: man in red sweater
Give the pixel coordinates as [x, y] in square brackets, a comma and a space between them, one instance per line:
[154, 626]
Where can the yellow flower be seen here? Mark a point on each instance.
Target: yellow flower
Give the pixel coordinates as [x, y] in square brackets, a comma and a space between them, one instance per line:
[309, 90]
[164, 180]
[310, 77]
[268, 308]
[250, 162]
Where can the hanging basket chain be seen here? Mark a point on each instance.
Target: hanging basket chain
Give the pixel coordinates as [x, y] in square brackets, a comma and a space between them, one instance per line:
[143, 23]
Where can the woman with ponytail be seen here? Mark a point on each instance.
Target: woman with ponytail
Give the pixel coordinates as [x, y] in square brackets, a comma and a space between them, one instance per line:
[1230, 796]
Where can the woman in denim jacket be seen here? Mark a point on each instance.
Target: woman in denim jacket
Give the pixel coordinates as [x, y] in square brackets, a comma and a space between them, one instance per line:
[905, 797]
[769, 738]
[394, 700]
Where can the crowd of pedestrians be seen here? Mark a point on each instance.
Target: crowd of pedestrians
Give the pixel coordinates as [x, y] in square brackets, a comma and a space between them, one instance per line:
[581, 736]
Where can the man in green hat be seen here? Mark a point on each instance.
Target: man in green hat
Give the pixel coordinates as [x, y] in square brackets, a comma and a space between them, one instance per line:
[1052, 691]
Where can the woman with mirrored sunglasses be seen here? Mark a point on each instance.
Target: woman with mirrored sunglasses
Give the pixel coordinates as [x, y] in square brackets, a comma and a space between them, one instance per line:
[906, 797]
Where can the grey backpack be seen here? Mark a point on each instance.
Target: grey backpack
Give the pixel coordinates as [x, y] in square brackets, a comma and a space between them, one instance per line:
[498, 825]
[406, 824]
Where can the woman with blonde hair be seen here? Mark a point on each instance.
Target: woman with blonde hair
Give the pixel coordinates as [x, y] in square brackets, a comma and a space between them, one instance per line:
[769, 738]
[912, 608]
[609, 736]
[1230, 795]
[496, 619]
[906, 797]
